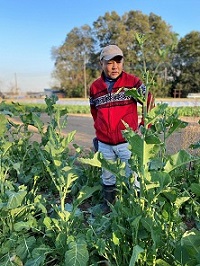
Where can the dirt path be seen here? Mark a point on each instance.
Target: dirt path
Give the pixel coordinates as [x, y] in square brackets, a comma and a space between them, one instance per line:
[84, 130]
[185, 137]
[179, 140]
[83, 125]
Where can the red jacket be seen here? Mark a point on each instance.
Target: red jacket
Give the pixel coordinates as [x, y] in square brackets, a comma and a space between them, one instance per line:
[109, 109]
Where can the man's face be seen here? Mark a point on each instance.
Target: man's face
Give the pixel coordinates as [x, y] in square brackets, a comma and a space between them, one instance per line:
[112, 68]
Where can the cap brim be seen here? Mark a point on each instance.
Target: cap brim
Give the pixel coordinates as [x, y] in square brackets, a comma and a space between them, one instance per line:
[109, 57]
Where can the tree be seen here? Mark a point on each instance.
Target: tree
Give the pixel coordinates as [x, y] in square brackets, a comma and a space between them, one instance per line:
[71, 60]
[84, 45]
[187, 64]
[111, 29]
[108, 29]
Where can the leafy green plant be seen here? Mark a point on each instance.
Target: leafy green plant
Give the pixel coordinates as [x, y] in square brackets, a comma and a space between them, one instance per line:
[44, 187]
[38, 226]
[146, 225]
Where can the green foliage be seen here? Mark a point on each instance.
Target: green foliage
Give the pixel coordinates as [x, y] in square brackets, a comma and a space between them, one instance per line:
[77, 254]
[11, 109]
[71, 60]
[15, 108]
[188, 111]
[147, 225]
[187, 63]
[44, 188]
[77, 55]
[77, 63]
[36, 179]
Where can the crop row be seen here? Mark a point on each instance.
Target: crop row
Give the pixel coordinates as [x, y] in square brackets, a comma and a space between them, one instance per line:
[50, 198]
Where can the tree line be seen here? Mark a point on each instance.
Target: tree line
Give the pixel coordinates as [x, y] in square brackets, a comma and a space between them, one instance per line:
[174, 62]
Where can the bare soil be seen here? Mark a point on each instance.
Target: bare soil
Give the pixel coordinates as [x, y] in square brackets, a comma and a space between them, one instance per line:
[83, 125]
[185, 137]
[180, 140]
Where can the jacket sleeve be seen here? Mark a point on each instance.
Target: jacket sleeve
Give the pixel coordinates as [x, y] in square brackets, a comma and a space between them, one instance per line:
[93, 109]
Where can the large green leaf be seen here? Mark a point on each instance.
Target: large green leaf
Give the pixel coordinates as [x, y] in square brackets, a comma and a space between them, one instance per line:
[77, 254]
[155, 113]
[37, 122]
[61, 241]
[152, 139]
[67, 177]
[147, 223]
[179, 159]
[156, 164]
[38, 255]
[56, 145]
[188, 250]
[143, 151]
[170, 194]
[132, 139]
[85, 193]
[23, 225]
[133, 92]
[191, 240]
[162, 178]
[24, 246]
[195, 188]
[9, 260]
[149, 152]
[36, 261]
[177, 124]
[93, 162]
[135, 254]
[15, 198]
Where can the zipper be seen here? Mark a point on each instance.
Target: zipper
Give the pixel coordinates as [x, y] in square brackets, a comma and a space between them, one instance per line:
[109, 112]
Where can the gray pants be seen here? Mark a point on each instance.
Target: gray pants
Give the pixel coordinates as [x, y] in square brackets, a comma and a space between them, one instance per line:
[112, 153]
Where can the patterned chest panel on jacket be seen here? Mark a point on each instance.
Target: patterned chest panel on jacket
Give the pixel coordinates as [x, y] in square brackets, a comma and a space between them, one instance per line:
[111, 99]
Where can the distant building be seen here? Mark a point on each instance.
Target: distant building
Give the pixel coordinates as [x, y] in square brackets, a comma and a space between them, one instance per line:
[31, 94]
[50, 92]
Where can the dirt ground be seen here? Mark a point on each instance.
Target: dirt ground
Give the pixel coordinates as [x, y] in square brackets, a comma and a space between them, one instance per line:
[179, 140]
[83, 125]
[185, 137]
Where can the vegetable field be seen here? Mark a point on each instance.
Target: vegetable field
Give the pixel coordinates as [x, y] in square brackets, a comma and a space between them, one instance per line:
[50, 197]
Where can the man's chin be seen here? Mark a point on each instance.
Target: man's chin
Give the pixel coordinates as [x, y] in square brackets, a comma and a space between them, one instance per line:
[114, 76]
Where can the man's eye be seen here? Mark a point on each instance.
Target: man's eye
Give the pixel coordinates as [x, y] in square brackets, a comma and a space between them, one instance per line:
[110, 63]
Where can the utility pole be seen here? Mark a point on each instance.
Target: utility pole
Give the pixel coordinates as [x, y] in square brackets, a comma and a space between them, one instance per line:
[16, 86]
[84, 74]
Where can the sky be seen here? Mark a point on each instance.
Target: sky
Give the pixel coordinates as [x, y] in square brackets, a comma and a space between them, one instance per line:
[29, 29]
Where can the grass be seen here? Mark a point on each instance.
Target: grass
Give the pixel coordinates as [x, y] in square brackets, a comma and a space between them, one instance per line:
[193, 111]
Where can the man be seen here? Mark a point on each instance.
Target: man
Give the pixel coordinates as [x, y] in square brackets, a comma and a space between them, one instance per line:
[109, 107]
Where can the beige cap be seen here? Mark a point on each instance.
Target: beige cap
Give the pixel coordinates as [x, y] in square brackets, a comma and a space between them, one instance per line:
[110, 52]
